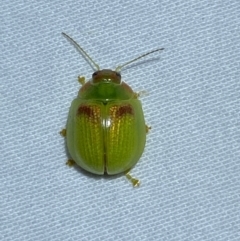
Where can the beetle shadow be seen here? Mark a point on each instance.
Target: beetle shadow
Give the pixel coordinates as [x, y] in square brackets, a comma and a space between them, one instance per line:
[86, 173]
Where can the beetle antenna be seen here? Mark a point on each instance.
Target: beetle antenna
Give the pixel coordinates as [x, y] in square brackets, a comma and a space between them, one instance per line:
[118, 69]
[83, 52]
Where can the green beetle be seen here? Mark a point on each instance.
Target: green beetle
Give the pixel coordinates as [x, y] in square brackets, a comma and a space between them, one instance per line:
[106, 131]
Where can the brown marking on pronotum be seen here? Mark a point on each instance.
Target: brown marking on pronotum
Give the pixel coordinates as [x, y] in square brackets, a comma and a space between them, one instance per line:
[123, 110]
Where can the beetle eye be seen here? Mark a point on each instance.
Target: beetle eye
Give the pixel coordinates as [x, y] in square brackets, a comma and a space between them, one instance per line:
[94, 74]
[118, 74]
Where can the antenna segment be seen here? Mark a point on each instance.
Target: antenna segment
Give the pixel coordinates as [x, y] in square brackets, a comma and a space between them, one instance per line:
[118, 69]
[84, 53]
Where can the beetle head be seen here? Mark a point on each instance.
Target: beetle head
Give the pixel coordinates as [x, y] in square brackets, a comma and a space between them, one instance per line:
[106, 76]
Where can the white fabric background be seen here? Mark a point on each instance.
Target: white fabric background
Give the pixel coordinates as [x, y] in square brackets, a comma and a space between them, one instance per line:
[190, 169]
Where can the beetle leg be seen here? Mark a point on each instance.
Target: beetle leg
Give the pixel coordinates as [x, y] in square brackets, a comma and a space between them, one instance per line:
[135, 182]
[81, 80]
[148, 128]
[136, 95]
[140, 94]
[70, 162]
[63, 132]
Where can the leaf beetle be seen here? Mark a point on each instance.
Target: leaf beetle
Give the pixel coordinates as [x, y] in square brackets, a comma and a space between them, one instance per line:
[106, 130]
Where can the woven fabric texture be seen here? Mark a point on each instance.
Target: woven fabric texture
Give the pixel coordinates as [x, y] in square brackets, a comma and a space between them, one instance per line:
[190, 169]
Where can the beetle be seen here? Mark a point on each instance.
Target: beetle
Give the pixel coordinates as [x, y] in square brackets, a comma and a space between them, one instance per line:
[106, 130]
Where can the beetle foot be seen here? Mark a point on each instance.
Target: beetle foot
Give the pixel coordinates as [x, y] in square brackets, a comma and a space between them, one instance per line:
[140, 94]
[70, 163]
[81, 80]
[135, 182]
[136, 95]
[148, 128]
[63, 132]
